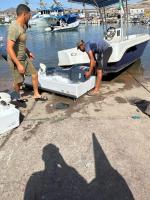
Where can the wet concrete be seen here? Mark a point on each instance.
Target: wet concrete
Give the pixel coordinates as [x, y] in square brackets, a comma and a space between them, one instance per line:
[121, 100]
[115, 156]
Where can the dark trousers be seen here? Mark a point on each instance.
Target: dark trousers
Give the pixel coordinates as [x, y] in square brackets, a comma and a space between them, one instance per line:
[102, 58]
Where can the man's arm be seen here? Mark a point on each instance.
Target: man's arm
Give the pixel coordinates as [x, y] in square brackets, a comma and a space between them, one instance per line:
[10, 51]
[92, 64]
[92, 61]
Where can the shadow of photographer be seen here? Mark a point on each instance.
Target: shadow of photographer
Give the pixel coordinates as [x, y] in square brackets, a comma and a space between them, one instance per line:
[59, 181]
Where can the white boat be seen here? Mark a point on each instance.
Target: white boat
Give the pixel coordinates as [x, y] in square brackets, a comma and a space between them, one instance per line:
[47, 16]
[7, 20]
[125, 52]
[43, 18]
[64, 23]
[126, 48]
[9, 115]
[63, 27]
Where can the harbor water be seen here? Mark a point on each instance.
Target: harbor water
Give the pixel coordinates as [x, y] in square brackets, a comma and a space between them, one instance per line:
[45, 46]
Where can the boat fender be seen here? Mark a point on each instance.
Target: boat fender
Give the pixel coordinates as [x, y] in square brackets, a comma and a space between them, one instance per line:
[5, 97]
[42, 68]
[3, 103]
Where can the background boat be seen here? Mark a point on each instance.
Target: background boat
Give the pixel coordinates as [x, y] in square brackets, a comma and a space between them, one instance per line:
[64, 23]
[126, 48]
[46, 16]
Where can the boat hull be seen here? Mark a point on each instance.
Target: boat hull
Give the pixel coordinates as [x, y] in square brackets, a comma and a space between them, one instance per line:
[124, 53]
[131, 55]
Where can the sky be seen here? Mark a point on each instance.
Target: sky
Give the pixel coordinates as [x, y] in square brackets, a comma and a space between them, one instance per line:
[4, 4]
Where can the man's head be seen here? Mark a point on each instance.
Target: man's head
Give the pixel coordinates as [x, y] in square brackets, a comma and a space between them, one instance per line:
[24, 12]
[81, 46]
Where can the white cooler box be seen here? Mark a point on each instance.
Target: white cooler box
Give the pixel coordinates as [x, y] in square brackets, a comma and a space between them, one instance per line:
[69, 82]
[9, 117]
[63, 86]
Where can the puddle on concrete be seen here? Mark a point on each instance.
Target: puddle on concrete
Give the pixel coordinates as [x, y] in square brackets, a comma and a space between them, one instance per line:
[61, 106]
[31, 131]
[120, 100]
[132, 76]
[97, 110]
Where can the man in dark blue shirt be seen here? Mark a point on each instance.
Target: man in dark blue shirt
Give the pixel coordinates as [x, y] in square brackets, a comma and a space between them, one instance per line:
[99, 52]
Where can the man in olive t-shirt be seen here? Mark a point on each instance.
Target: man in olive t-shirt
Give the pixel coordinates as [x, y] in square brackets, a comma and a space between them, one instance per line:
[19, 57]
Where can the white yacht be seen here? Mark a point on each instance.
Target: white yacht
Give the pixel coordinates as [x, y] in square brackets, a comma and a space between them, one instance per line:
[126, 48]
[44, 18]
[47, 16]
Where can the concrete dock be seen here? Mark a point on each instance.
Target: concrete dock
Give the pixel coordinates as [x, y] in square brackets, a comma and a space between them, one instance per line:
[95, 148]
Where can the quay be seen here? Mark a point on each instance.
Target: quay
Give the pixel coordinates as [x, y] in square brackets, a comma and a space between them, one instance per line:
[95, 137]
[90, 148]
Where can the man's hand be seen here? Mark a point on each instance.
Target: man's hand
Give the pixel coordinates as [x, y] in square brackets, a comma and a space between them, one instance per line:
[87, 74]
[21, 68]
[31, 56]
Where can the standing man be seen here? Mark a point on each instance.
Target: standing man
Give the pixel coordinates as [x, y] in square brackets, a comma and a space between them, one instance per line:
[19, 57]
[99, 52]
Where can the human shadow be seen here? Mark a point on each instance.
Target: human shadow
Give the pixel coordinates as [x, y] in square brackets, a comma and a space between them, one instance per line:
[59, 181]
[108, 183]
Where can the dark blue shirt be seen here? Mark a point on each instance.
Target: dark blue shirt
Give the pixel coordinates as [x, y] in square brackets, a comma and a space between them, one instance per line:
[98, 46]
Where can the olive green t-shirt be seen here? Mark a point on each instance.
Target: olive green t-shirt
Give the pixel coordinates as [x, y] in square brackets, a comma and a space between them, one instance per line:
[17, 34]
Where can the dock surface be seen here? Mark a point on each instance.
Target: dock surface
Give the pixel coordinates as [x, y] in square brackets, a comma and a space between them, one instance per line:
[94, 148]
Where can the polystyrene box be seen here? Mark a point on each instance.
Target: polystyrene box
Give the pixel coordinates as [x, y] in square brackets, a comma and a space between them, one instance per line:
[9, 118]
[57, 84]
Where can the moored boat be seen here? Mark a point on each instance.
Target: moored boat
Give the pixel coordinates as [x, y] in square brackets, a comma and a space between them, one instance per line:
[65, 23]
[126, 48]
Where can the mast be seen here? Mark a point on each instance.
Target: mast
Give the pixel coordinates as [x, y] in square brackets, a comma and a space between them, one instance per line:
[121, 14]
[26, 2]
[105, 25]
[127, 18]
[84, 8]
[42, 4]
[101, 14]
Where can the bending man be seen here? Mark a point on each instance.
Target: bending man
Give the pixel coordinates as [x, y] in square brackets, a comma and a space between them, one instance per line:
[99, 52]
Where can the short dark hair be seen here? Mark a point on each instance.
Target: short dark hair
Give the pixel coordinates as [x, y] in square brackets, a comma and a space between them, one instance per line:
[22, 8]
